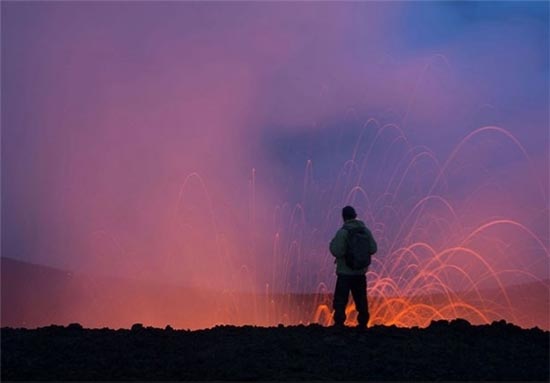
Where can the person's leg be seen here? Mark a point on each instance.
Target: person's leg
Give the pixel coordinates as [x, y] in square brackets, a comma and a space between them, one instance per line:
[359, 293]
[340, 300]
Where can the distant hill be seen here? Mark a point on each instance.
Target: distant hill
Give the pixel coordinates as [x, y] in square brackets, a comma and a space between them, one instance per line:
[34, 296]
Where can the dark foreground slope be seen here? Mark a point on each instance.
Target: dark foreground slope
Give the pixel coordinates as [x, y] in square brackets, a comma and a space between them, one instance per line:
[448, 351]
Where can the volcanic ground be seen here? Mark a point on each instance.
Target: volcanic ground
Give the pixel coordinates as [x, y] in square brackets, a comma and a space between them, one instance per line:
[444, 350]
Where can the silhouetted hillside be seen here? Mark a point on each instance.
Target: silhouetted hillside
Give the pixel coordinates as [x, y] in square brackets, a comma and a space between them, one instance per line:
[443, 351]
[34, 296]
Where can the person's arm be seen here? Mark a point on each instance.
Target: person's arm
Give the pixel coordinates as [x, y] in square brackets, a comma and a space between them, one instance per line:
[339, 243]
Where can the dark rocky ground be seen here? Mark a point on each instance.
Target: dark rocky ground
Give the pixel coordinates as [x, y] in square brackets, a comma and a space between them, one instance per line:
[443, 351]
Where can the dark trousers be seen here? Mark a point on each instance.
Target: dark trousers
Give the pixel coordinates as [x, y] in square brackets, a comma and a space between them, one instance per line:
[357, 284]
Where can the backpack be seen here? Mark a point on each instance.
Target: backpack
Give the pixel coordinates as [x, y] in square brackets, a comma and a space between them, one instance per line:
[361, 246]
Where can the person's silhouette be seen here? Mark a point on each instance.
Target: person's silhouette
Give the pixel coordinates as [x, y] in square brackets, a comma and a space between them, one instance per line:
[349, 279]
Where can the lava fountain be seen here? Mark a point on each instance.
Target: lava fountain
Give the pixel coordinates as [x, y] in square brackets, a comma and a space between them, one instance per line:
[444, 250]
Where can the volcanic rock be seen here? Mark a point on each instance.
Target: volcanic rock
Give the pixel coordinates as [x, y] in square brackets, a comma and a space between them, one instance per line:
[444, 350]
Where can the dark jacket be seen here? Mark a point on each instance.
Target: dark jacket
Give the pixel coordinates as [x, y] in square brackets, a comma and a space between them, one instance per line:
[338, 247]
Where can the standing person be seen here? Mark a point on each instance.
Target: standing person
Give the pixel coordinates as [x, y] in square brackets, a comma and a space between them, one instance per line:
[352, 246]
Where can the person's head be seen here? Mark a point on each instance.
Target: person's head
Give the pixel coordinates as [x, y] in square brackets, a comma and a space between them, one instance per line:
[348, 213]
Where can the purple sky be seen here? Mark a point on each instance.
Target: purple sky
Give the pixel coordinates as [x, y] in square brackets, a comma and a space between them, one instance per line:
[171, 141]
